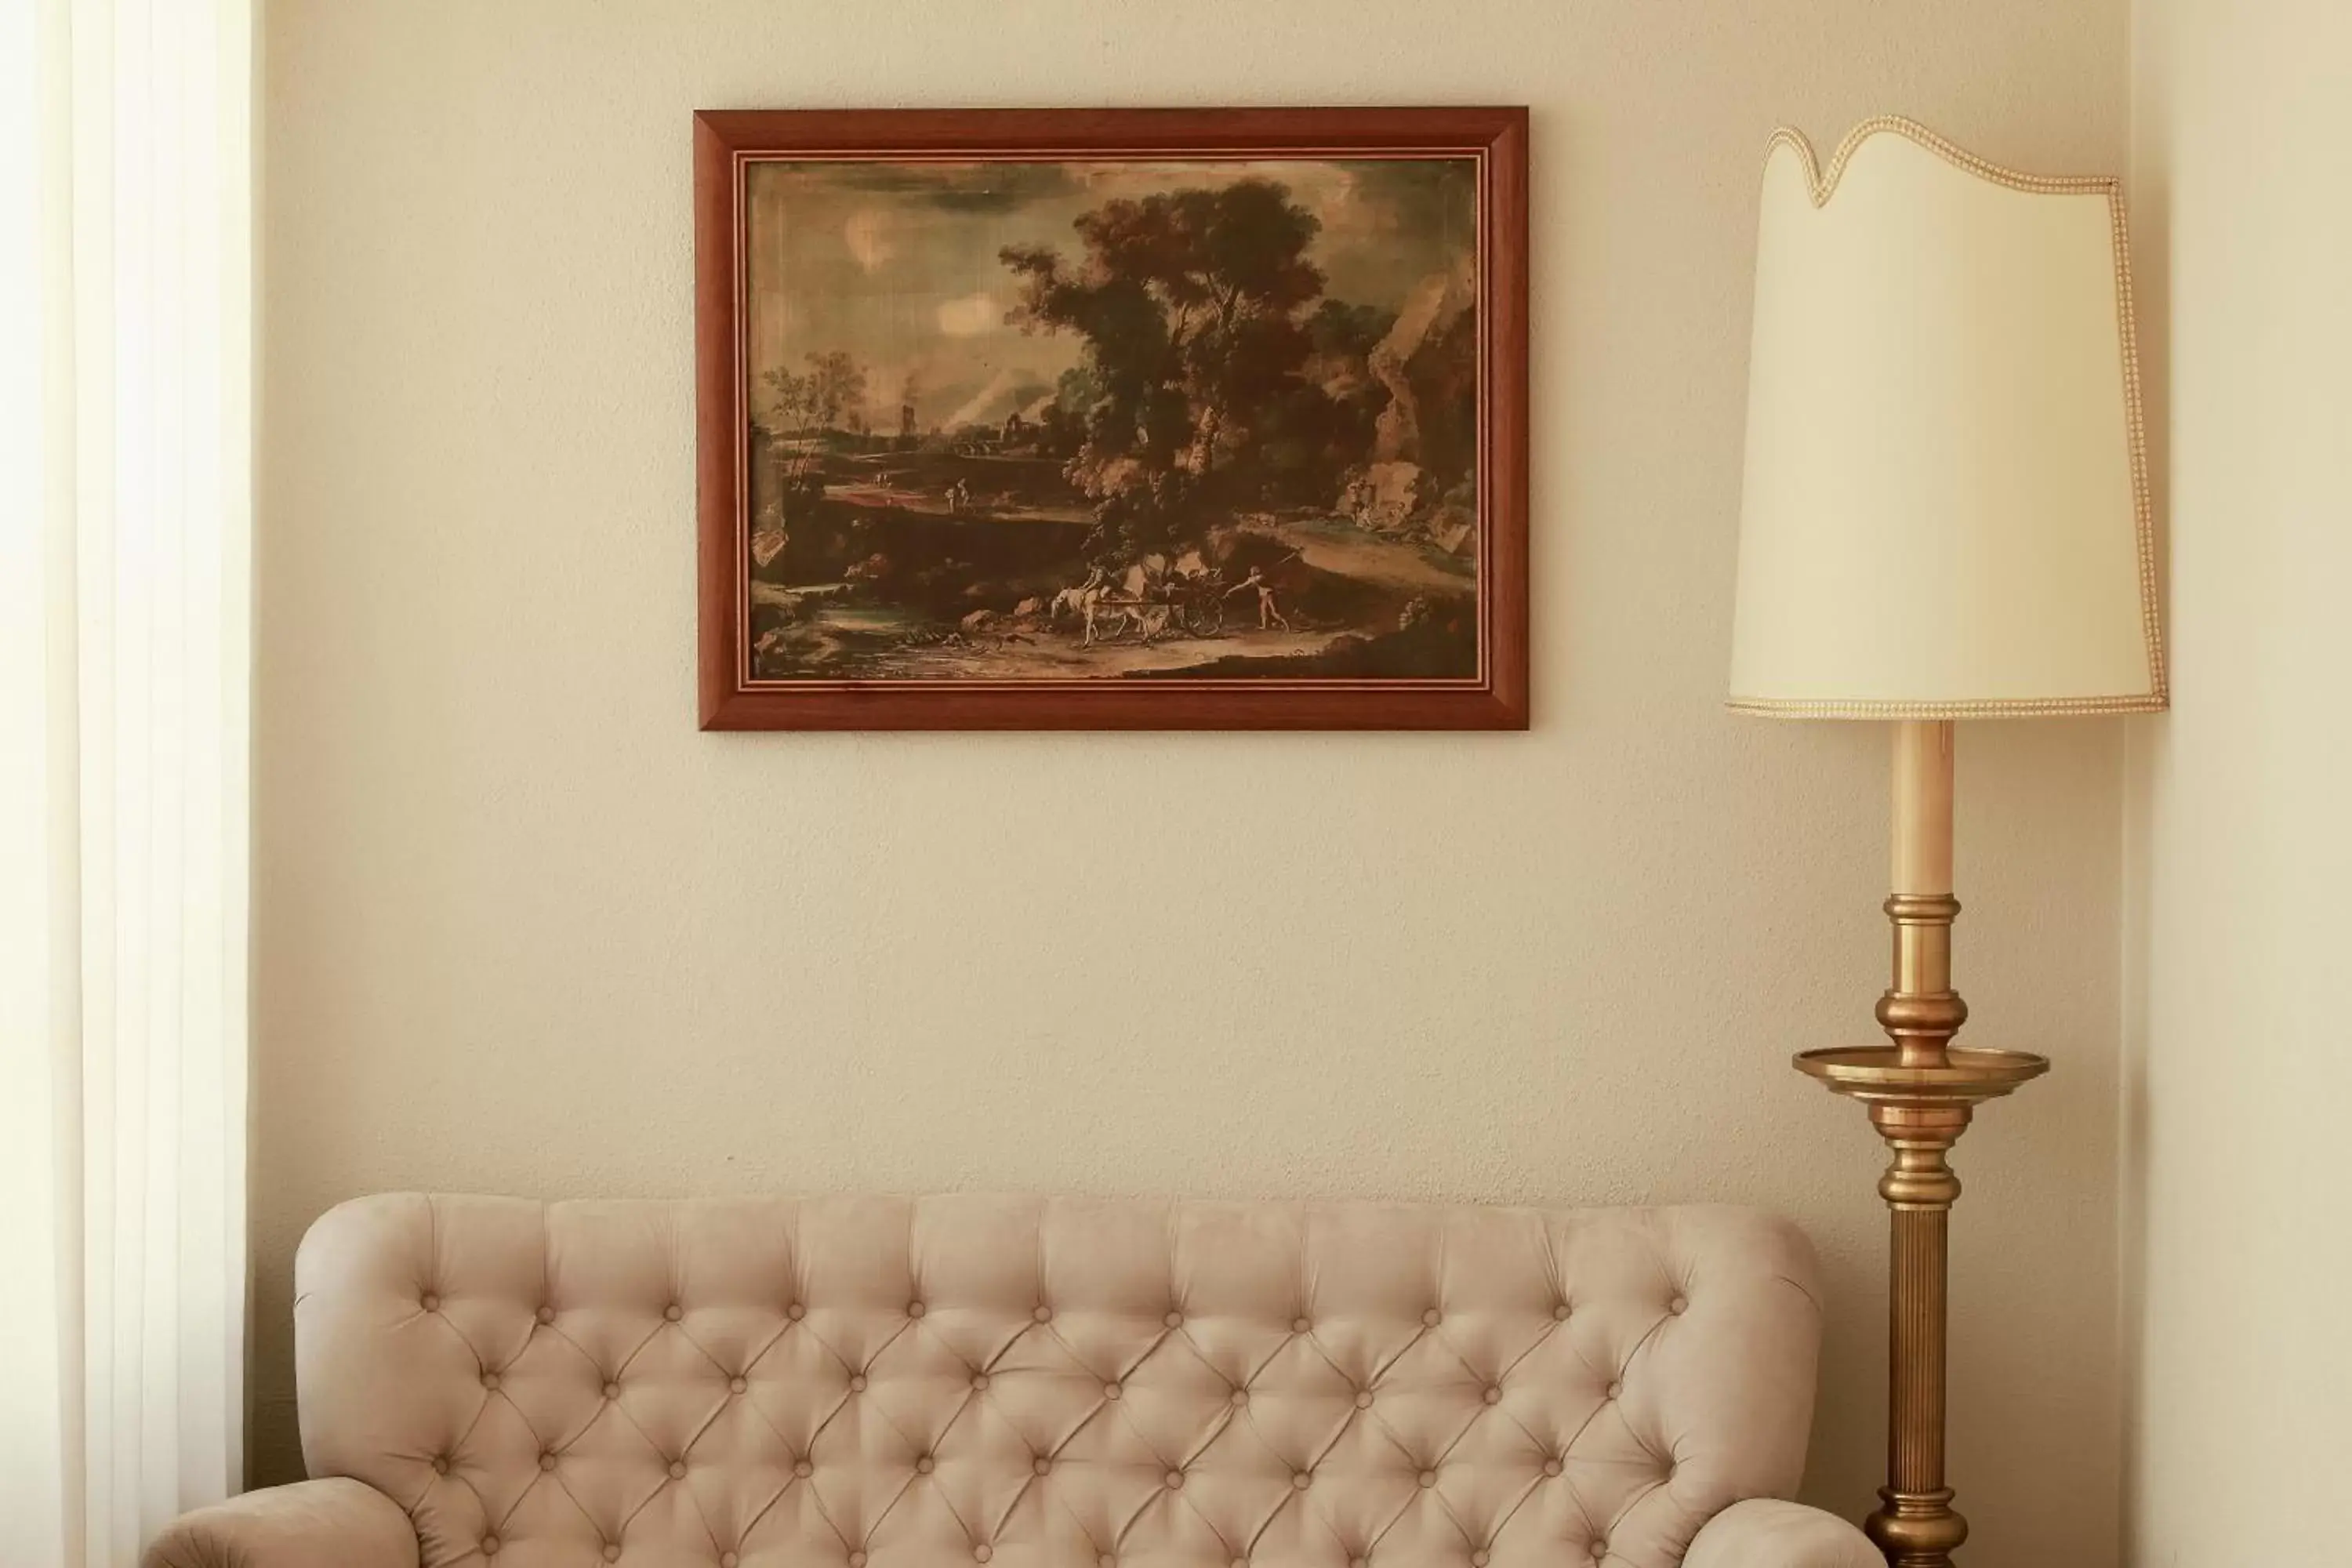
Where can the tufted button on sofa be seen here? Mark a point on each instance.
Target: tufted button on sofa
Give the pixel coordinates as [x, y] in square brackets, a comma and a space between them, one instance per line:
[906, 1382]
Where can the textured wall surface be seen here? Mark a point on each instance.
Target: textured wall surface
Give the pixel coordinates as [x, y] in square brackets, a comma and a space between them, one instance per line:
[522, 929]
[2236, 1079]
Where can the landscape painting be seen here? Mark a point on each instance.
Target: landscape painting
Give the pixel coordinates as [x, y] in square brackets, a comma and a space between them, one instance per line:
[1152, 423]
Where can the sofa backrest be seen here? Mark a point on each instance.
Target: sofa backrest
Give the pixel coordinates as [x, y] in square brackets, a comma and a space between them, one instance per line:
[1055, 1382]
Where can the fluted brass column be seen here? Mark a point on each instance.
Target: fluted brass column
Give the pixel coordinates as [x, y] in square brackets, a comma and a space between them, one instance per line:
[1920, 1090]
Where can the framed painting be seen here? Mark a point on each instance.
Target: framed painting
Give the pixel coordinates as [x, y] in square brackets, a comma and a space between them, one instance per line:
[1112, 418]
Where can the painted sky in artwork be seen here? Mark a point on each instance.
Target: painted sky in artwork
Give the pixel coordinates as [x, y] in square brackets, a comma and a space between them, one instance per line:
[896, 263]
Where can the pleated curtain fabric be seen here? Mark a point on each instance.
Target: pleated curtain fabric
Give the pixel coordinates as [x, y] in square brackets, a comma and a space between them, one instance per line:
[126, 326]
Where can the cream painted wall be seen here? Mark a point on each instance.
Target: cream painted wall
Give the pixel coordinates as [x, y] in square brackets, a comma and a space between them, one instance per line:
[2237, 1082]
[522, 928]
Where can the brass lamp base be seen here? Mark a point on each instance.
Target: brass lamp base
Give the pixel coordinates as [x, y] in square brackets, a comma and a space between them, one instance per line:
[1920, 1109]
[1921, 1091]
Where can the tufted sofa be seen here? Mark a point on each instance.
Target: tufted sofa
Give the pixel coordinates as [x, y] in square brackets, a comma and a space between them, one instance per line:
[1058, 1383]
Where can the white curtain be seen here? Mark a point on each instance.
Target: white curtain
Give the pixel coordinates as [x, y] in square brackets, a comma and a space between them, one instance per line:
[126, 295]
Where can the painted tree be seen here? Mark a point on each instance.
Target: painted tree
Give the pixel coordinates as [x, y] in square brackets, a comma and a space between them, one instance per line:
[829, 395]
[788, 477]
[1190, 304]
[788, 401]
[837, 389]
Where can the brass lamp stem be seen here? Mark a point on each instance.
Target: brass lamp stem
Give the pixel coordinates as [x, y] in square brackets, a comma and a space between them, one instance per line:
[1920, 1091]
[1920, 1011]
[1916, 1524]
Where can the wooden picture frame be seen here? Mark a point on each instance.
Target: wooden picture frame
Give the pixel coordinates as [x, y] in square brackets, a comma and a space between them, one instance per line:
[798, 486]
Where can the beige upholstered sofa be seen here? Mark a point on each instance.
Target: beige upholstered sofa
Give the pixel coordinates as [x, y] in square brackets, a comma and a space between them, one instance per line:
[895, 1382]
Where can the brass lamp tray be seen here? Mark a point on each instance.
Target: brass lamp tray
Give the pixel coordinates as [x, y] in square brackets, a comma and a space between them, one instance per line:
[1969, 1075]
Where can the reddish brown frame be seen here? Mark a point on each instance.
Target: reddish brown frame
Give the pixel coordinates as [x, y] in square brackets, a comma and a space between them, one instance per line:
[725, 139]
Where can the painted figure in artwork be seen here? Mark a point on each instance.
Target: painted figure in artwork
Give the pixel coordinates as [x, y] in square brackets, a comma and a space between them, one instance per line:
[1267, 616]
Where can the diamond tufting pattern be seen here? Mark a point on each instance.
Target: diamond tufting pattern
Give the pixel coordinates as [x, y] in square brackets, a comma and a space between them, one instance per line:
[903, 1382]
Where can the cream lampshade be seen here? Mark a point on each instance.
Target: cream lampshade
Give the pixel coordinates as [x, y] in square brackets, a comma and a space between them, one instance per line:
[1945, 512]
[1946, 517]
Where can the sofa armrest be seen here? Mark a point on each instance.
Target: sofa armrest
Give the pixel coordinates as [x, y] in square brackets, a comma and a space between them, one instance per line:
[1764, 1532]
[311, 1524]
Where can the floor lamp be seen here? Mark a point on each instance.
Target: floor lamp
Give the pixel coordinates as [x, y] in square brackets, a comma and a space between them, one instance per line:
[1945, 518]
